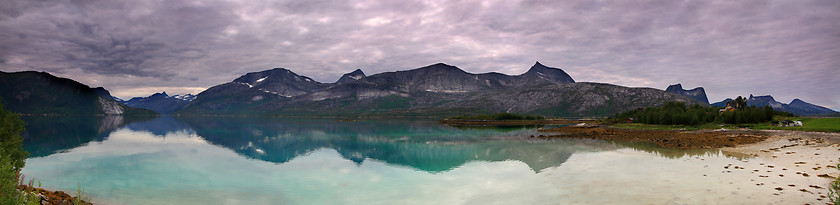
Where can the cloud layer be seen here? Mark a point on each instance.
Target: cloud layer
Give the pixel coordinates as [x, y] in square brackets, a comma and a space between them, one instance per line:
[790, 49]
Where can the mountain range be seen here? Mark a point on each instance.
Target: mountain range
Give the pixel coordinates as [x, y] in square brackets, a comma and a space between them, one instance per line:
[434, 90]
[161, 102]
[41, 93]
[437, 89]
[797, 106]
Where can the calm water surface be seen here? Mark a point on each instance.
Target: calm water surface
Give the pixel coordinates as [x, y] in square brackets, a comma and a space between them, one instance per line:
[326, 161]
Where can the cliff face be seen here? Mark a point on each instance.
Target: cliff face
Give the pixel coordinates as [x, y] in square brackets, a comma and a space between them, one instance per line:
[697, 93]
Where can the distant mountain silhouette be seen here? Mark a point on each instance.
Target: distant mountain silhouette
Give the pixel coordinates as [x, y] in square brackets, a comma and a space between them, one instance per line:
[161, 102]
[797, 106]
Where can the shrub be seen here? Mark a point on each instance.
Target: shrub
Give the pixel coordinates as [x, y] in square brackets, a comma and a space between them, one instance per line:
[833, 190]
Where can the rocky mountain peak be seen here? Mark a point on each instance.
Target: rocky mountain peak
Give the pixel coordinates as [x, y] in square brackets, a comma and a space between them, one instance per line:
[553, 75]
[441, 66]
[674, 87]
[697, 93]
[352, 76]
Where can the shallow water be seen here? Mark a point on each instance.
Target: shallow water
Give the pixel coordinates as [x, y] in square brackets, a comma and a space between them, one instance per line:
[326, 161]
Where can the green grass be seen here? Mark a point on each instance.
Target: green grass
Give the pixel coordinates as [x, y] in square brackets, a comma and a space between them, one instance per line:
[808, 124]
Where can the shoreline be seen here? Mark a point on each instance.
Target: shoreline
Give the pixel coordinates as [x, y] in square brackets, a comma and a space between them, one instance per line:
[53, 197]
[512, 122]
[704, 139]
[795, 166]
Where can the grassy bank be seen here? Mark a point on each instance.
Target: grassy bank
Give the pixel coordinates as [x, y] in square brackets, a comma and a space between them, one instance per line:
[808, 124]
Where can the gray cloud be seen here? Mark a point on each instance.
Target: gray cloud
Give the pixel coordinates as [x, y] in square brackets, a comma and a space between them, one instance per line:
[790, 49]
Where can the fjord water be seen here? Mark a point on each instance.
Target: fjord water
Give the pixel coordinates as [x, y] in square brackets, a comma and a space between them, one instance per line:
[228, 160]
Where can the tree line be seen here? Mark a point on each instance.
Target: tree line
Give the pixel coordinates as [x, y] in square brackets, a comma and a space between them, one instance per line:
[677, 113]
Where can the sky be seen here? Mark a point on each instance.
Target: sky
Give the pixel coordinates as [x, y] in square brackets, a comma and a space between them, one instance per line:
[787, 49]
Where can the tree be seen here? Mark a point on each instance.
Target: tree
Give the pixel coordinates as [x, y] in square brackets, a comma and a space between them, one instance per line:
[10, 141]
[12, 158]
[740, 102]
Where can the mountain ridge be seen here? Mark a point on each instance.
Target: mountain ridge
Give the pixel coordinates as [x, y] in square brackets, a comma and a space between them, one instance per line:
[160, 102]
[437, 89]
[796, 106]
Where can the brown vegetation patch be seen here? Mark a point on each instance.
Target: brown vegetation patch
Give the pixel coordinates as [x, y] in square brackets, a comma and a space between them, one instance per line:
[663, 138]
[52, 197]
[511, 122]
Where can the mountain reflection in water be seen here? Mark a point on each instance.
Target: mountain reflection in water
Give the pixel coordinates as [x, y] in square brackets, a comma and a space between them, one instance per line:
[423, 145]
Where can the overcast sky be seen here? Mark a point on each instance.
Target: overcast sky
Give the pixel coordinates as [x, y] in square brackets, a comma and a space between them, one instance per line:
[788, 49]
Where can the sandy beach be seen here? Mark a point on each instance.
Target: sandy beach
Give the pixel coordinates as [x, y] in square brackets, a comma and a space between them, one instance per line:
[798, 165]
[794, 167]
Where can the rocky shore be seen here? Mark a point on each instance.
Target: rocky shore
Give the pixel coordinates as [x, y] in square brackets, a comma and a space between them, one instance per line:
[663, 138]
[798, 166]
[52, 197]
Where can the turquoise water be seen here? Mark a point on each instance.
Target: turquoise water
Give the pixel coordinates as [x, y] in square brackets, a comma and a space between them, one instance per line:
[326, 161]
